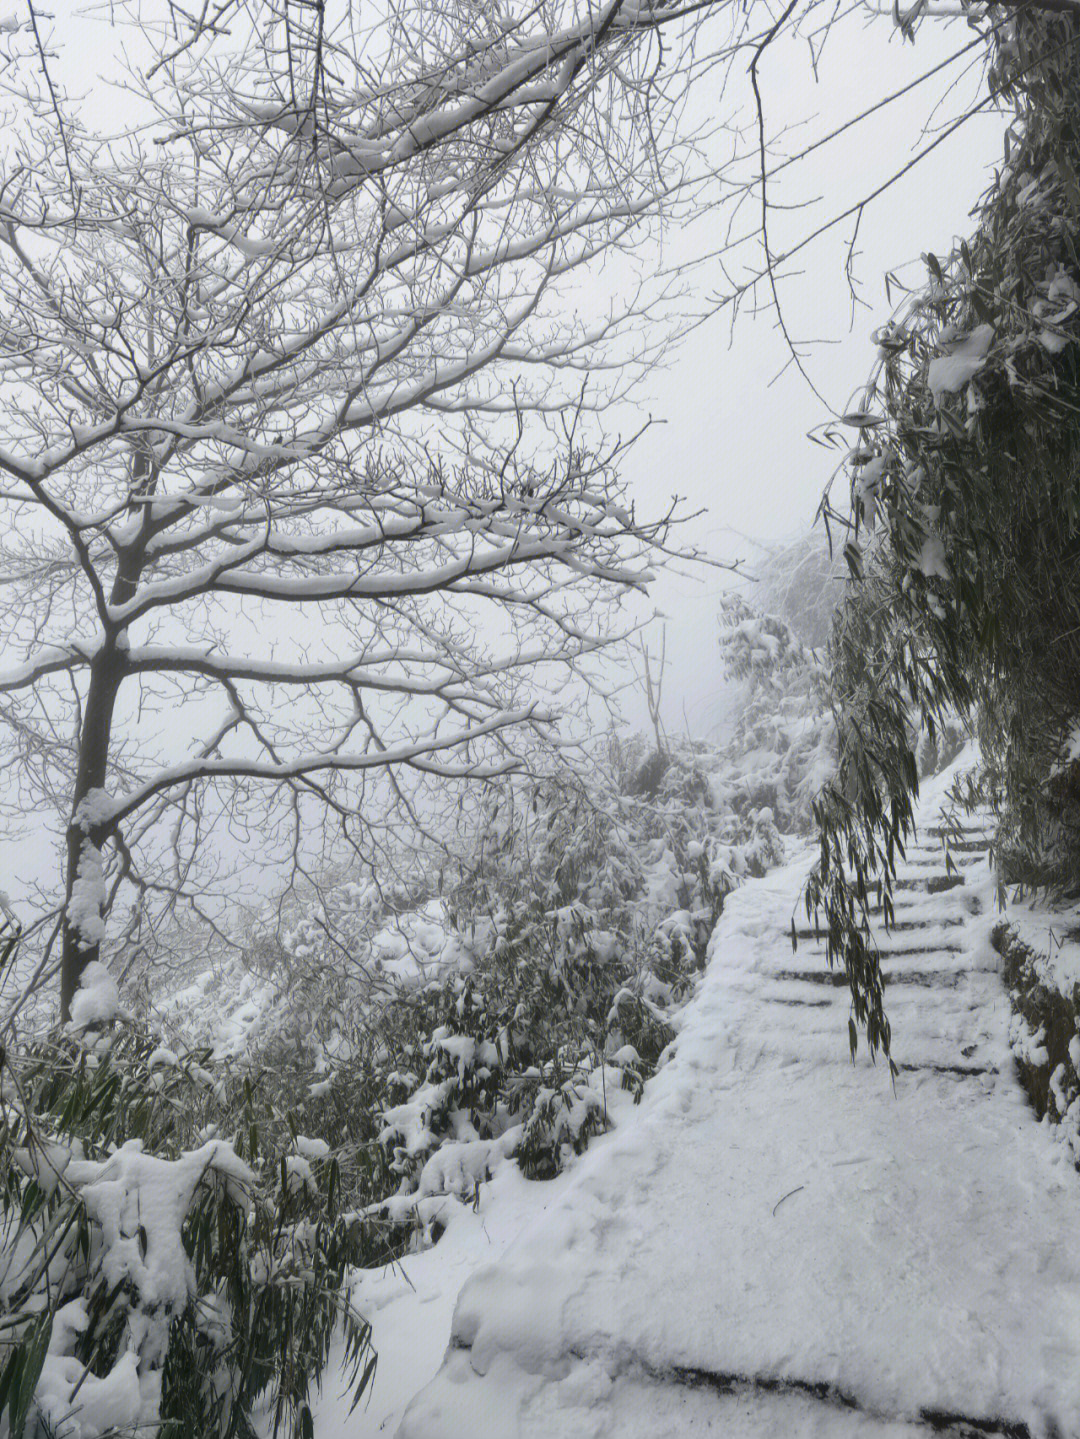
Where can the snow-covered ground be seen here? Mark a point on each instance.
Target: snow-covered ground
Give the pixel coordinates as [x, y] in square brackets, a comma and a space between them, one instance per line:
[775, 1242]
[410, 1304]
[1052, 930]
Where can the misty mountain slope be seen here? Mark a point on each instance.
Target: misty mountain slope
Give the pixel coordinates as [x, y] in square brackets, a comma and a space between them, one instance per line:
[779, 1244]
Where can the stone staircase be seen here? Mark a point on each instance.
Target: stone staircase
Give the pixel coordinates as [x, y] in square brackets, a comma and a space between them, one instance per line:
[784, 1243]
[925, 949]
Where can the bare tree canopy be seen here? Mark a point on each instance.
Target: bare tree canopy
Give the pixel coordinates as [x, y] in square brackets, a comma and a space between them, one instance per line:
[286, 345]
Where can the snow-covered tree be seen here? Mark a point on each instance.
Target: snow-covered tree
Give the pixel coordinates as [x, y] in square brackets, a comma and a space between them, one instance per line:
[299, 481]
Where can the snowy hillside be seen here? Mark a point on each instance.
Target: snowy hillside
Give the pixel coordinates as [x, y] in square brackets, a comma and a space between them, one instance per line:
[776, 1242]
[382, 1060]
[574, 1147]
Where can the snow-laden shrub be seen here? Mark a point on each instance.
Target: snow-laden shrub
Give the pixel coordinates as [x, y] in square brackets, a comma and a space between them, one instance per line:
[517, 1055]
[1045, 1034]
[783, 746]
[534, 985]
[172, 1256]
[801, 583]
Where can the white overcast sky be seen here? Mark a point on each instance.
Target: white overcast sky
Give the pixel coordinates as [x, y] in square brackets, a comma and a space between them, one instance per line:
[732, 436]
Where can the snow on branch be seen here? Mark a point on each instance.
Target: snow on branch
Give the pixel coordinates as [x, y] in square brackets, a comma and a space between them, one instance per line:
[417, 754]
[299, 346]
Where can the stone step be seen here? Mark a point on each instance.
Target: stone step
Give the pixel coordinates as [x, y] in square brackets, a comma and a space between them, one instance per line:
[948, 906]
[759, 1397]
[813, 1035]
[932, 884]
[919, 858]
[915, 903]
[799, 977]
[899, 926]
[917, 863]
[924, 978]
[969, 1071]
[796, 1001]
[816, 950]
[984, 832]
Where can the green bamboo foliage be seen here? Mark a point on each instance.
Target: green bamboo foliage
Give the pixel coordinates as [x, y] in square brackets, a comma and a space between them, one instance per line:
[268, 1259]
[963, 532]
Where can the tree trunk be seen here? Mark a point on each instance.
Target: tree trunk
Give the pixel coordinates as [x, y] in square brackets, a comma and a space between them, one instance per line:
[106, 673]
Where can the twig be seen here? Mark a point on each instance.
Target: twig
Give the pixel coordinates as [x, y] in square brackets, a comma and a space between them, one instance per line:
[788, 1195]
[56, 108]
[769, 267]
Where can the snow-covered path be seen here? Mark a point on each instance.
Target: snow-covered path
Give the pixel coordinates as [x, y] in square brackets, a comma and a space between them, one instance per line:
[779, 1245]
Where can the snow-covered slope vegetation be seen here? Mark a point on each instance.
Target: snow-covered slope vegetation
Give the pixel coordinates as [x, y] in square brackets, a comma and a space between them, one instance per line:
[783, 1243]
[431, 1035]
[188, 1181]
[1039, 943]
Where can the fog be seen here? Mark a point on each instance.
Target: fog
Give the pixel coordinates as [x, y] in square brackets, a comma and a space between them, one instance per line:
[732, 413]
